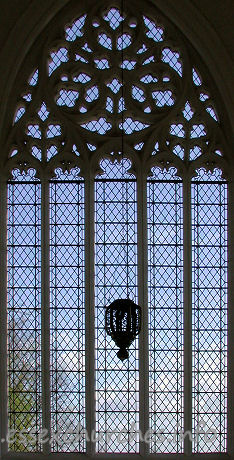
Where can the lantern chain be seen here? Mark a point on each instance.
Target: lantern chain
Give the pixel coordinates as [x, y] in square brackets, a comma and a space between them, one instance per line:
[124, 192]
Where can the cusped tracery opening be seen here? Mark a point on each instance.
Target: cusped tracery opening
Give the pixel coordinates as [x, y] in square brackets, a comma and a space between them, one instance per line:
[116, 73]
[116, 103]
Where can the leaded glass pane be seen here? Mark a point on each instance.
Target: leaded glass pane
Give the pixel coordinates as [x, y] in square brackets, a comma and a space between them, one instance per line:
[107, 78]
[117, 383]
[24, 311]
[67, 310]
[165, 293]
[209, 314]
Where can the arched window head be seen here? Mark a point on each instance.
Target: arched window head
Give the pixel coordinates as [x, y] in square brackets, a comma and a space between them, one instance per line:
[114, 72]
[116, 165]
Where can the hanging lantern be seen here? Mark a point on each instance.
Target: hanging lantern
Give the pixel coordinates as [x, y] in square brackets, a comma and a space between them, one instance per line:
[123, 324]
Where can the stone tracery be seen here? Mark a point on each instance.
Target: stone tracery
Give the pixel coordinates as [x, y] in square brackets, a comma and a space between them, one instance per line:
[112, 75]
[81, 113]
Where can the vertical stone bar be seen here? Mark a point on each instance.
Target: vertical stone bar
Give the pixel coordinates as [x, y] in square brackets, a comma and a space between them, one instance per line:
[45, 306]
[3, 317]
[143, 302]
[187, 315]
[89, 312]
[230, 389]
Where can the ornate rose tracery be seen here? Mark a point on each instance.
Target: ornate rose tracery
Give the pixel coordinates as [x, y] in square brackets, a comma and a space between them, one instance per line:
[113, 75]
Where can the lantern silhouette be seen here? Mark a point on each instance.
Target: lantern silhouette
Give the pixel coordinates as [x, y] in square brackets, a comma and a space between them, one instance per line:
[123, 324]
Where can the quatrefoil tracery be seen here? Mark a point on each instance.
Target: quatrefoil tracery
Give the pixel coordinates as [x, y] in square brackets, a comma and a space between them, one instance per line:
[114, 75]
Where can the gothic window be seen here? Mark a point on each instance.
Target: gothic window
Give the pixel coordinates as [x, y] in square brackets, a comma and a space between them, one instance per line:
[117, 186]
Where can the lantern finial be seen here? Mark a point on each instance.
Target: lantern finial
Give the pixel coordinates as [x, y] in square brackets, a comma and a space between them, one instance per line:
[123, 324]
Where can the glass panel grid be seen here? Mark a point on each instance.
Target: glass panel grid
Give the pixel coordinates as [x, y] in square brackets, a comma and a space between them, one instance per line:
[165, 292]
[67, 313]
[24, 312]
[117, 383]
[209, 314]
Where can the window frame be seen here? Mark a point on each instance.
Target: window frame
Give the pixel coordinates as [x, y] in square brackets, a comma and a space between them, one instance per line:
[141, 181]
[231, 260]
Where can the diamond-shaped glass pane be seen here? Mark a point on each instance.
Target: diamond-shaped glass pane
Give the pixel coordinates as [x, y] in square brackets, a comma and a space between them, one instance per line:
[154, 32]
[67, 311]
[76, 29]
[209, 297]
[113, 17]
[165, 293]
[56, 59]
[173, 59]
[24, 312]
[117, 382]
